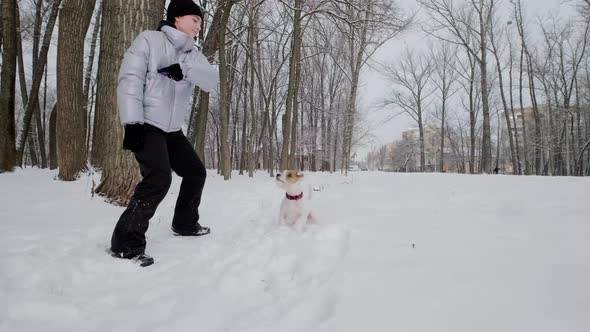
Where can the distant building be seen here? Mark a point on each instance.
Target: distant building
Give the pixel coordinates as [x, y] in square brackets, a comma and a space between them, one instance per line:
[432, 155]
[522, 120]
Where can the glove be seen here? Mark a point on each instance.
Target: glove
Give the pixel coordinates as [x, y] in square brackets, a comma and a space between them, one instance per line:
[173, 72]
[134, 137]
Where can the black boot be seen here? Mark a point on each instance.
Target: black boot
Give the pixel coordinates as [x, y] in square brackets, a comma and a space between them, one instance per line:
[201, 230]
[142, 259]
[186, 212]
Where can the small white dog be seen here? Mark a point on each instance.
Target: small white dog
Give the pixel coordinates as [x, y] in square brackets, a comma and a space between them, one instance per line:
[294, 212]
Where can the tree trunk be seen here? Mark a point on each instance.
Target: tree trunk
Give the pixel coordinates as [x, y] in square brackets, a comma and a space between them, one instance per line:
[210, 47]
[486, 148]
[224, 101]
[7, 87]
[272, 132]
[580, 160]
[472, 118]
[442, 138]
[301, 149]
[88, 76]
[253, 119]
[44, 120]
[517, 153]
[53, 138]
[1, 23]
[421, 132]
[357, 54]
[37, 30]
[295, 55]
[244, 149]
[586, 118]
[121, 23]
[550, 169]
[524, 135]
[295, 122]
[537, 117]
[324, 134]
[40, 136]
[335, 136]
[74, 20]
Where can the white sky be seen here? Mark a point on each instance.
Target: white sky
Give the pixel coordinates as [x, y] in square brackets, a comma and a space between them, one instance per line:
[375, 88]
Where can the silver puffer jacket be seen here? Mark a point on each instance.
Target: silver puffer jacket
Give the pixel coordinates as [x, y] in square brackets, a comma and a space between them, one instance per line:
[144, 96]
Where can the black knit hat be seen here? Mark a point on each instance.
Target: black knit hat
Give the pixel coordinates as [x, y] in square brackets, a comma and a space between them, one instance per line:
[178, 8]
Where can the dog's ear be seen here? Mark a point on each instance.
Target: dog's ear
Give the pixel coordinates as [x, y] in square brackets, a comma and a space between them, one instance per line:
[300, 174]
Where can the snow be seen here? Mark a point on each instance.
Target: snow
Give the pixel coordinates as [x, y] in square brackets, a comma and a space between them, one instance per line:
[394, 252]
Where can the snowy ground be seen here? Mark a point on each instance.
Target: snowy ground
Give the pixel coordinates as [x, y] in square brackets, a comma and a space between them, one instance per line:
[395, 252]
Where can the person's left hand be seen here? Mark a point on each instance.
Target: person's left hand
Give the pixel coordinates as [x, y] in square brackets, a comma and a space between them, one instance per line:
[134, 137]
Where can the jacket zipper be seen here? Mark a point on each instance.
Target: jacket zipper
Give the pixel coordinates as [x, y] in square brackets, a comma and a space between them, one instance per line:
[173, 106]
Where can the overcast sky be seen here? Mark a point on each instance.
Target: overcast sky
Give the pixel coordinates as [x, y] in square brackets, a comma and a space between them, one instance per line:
[375, 88]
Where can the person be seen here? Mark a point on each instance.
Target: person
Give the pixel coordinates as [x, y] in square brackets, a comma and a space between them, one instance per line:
[155, 84]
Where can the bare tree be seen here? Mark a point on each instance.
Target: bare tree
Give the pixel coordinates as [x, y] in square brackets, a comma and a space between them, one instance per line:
[444, 78]
[198, 125]
[40, 133]
[269, 78]
[31, 142]
[369, 25]
[506, 108]
[224, 96]
[411, 76]
[464, 26]
[566, 52]
[528, 58]
[38, 76]
[336, 83]
[468, 72]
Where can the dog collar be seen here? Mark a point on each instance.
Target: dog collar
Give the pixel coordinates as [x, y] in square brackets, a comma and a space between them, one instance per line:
[295, 198]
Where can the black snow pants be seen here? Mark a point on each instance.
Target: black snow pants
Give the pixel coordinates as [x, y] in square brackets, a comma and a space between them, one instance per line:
[161, 153]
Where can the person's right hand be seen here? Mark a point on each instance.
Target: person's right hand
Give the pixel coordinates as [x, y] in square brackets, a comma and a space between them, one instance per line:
[134, 137]
[173, 72]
